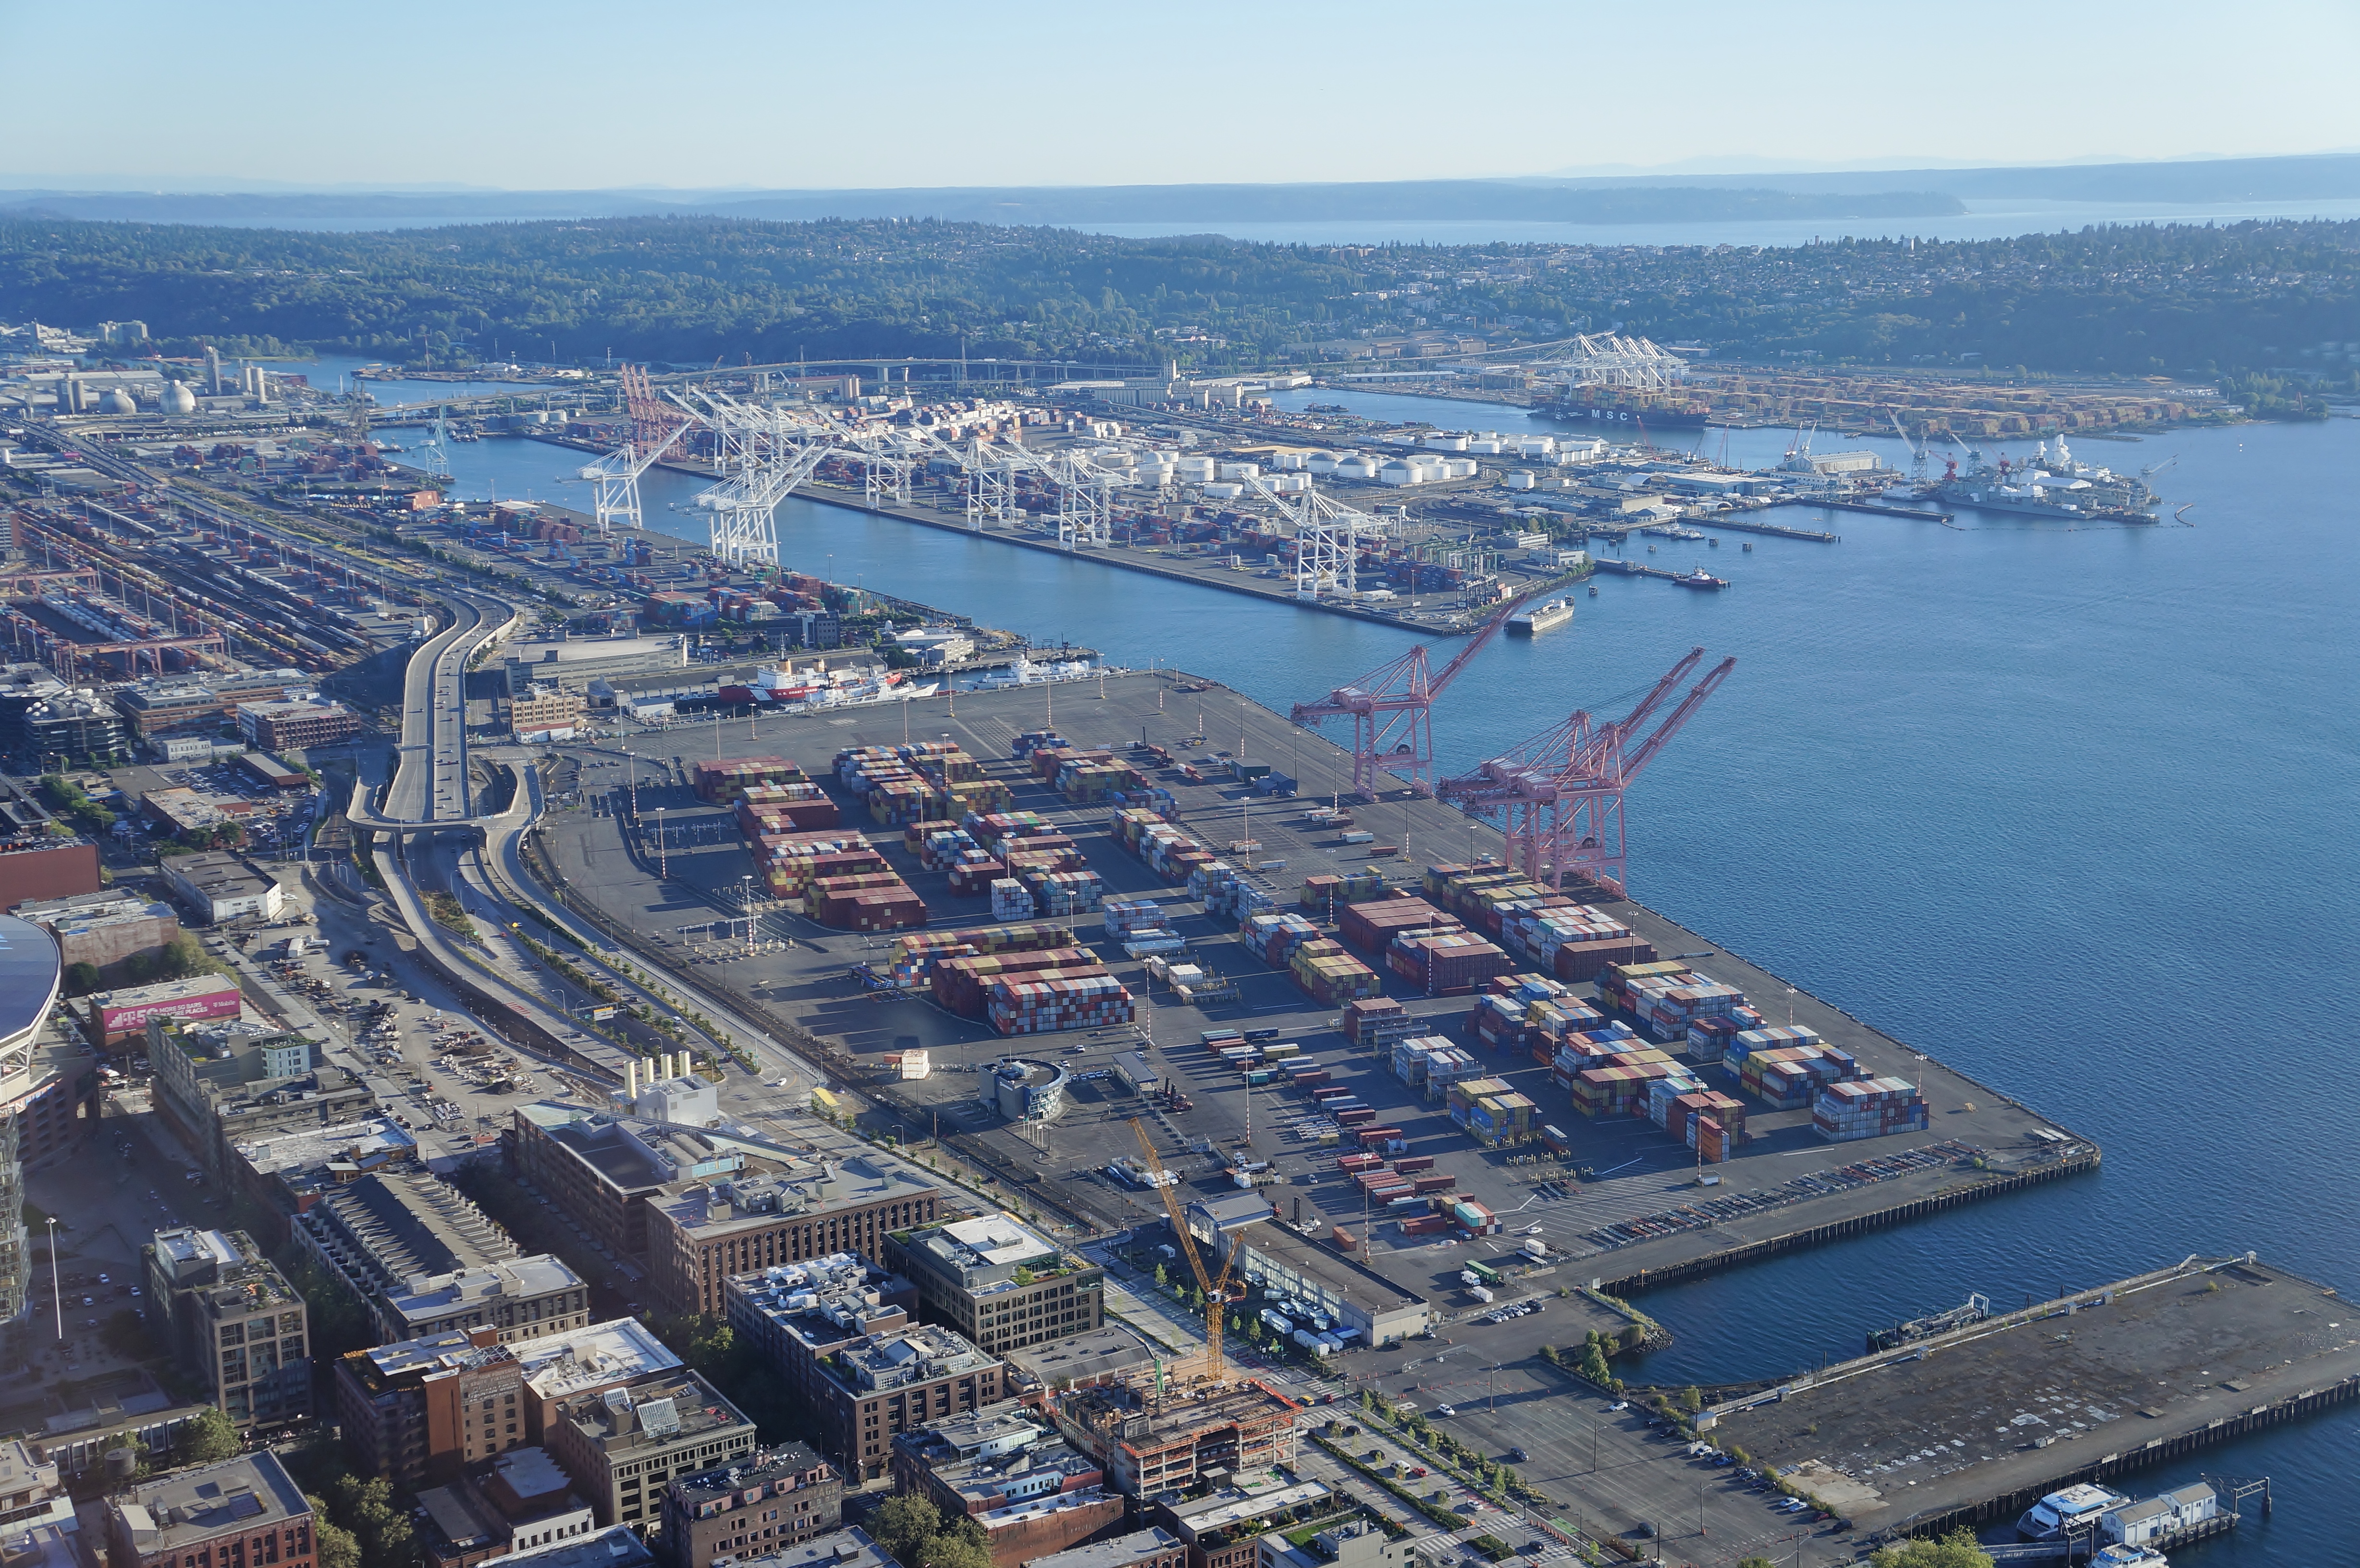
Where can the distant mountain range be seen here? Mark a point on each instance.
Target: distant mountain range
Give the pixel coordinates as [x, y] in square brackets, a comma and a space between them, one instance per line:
[1603, 200]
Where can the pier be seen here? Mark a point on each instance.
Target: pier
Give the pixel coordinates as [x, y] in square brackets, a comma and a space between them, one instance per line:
[1972, 1427]
[1881, 509]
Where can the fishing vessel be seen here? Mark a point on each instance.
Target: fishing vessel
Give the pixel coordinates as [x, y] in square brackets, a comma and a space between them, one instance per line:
[1540, 617]
[2053, 483]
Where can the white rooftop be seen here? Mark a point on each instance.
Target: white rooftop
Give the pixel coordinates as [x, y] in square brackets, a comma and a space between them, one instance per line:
[558, 1364]
[997, 1238]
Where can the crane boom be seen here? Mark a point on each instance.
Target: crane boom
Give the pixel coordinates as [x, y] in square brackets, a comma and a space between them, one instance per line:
[1213, 1285]
[1635, 761]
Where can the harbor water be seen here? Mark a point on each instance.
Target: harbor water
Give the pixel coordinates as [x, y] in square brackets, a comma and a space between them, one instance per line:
[2069, 808]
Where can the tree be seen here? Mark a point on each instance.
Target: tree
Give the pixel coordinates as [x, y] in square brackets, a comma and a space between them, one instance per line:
[208, 1439]
[81, 978]
[1957, 1550]
[1756, 1563]
[903, 1524]
[334, 1543]
[953, 1550]
[1691, 1399]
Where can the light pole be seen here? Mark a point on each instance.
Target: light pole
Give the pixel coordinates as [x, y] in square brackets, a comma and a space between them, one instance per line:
[57, 1296]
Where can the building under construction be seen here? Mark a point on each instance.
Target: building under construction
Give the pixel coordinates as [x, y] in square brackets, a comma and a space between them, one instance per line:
[1147, 1447]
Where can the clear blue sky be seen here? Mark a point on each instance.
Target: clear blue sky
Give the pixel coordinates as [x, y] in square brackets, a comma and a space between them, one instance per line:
[538, 94]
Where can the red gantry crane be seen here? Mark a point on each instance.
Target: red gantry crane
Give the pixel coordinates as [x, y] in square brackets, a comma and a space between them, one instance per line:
[1391, 709]
[1559, 796]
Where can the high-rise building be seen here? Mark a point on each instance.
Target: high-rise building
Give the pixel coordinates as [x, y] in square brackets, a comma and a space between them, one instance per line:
[233, 1322]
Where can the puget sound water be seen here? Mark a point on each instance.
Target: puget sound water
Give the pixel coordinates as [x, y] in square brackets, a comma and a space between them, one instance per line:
[2072, 809]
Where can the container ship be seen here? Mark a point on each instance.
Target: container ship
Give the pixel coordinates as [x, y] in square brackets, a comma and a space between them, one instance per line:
[2053, 483]
[1540, 619]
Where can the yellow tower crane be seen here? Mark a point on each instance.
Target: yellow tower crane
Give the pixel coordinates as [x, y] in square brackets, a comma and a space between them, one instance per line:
[1214, 1286]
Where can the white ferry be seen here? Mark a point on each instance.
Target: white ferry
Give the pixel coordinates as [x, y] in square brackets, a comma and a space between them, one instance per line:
[1540, 617]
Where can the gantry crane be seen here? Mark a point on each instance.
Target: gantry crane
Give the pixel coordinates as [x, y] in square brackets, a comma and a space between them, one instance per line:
[1214, 1286]
[1559, 796]
[1391, 709]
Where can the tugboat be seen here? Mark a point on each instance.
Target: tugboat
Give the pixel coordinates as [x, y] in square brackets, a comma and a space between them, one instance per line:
[1703, 579]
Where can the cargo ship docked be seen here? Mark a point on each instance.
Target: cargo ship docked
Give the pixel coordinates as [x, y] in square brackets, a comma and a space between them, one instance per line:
[1540, 619]
[2052, 484]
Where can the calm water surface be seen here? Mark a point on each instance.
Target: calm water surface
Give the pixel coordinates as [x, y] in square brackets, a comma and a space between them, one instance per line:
[2069, 808]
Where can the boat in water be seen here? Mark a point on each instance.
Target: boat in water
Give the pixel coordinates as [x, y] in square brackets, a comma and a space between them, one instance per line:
[1703, 580]
[1540, 617]
[785, 688]
[2075, 1511]
[1027, 672]
[2053, 483]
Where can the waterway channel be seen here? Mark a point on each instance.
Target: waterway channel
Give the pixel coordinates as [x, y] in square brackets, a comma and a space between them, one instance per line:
[2072, 808]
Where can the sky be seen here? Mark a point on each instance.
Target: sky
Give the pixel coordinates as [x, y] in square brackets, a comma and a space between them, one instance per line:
[534, 95]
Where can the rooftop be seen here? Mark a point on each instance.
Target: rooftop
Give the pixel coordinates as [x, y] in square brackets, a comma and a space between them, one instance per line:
[358, 1146]
[1113, 1351]
[919, 1353]
[1240, 1504]
[983, 1253]
[413, 1224]
[992, 1430]
[188, 1506]
[1350, 1280]
[657, 1411]
[845, 1548]
[434, 1295]
[217, 871]
[617, 1546]
[825, 1301]
[1119, 1412]
[754, 1470]
[557, 1365]
[386, 1365]
[224, 1267]
[29, 971]
[1116, 1553]
[791, 1187]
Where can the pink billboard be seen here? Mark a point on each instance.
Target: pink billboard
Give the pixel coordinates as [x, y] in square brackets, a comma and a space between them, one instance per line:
[217, 999]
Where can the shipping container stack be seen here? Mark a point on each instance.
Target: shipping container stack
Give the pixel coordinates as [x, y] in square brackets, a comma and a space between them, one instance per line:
[726, 780]
[972, 872]
[1410, 1057]
[1869, 1107]
[1021, 1006]
[1575, 943]
[786, 806]
[1446, 1067]
[1446, 963]
[963, 984]
[1217, 884]
[1332, 976]
[1274, 938]
[1064, 892]
[1711, 1137]
[912, 958]
[1474, 1219]
[1788, 1078]
[870, 901]
[1129, 919]
[1372, 924]
[1374, 1023]
[1578, 1050]
[1776, 1037]
[1618, 1086]
[790, 863]
[1665, 998]
[1011, 900]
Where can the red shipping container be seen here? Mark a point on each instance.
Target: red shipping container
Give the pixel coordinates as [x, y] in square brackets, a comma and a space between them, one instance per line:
[1440, 1182]
[1371, 926]
[1356, 1117]
[1409, 1162]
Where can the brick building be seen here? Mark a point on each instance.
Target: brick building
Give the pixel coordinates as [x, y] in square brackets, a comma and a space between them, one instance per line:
[232, 1322]
[624, 1445]
[997, 1281]
[1029, 1490]
[1146, 1450]
[867, 1371]
[771, 1498]
[291, 725]
[245, 1510]
[424, 1410]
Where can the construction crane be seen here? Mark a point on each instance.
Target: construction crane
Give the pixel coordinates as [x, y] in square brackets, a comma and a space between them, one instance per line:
[1215, 1286]
[1391, 709]
[1920, 452]
[1559, 796]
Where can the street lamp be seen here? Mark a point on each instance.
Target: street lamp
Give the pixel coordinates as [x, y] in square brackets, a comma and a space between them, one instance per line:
[57, 1296]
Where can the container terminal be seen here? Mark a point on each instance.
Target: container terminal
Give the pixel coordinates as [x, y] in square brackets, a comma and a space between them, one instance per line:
[1781, 1189]
[1581, 1216]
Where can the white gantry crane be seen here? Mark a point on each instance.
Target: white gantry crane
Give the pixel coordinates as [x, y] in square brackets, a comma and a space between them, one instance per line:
[1607, 359]
[1328, 536]
[653, 428]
